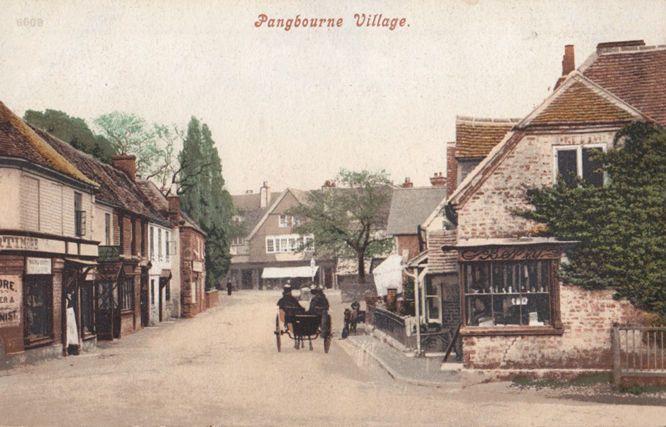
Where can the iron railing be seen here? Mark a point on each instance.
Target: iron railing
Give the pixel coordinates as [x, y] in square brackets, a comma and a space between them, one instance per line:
[389, 323]
[638, 352]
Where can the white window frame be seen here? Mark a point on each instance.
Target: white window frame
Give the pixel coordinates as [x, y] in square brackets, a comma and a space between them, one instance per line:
[286, 243]
[579, 158]
[283, 221]
[438, 298]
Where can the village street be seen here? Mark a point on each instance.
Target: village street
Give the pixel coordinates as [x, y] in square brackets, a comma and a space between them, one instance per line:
[222, 368]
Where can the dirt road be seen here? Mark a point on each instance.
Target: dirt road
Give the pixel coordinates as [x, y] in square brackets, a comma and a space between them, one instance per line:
[222, 368]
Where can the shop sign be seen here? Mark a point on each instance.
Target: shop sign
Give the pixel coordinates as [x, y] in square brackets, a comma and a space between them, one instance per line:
[38, 265]
[509, 253]
[28, 243]
[10, 300]
[197, 266]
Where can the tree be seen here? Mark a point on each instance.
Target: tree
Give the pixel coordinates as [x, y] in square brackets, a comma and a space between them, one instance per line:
[72, 130]
[204, 197]
[349, 220]
[621, 227]
[130, 134]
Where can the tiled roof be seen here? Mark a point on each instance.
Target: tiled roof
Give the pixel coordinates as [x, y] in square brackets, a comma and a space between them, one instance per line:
[580, 104]
[637, 75]
[115, 188]
[154, 195]
[249, 207]
[411, 206]
[475, 137]
[440, 261]
[19, 140]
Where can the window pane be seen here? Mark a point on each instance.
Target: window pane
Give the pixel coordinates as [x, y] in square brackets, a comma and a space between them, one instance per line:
[566, 166]
[592, 171]
[433, 308]
[506, 309]
[479, 310]
[38, 293]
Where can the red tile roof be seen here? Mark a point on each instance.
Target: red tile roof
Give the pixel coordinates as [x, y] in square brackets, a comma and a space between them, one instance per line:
[476, 137]
[580, 104]
[440, 261]
[635, 74]
[115, 188]
[19, 140]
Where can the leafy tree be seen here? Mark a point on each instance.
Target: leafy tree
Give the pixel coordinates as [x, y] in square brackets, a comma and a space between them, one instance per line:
[621, 227]
[72, 130]
[130, 134]
[349, 220]
[204, 197]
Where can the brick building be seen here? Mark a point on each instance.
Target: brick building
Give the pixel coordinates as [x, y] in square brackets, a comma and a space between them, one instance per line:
[46, 244]
[516, 313]
[267, 254]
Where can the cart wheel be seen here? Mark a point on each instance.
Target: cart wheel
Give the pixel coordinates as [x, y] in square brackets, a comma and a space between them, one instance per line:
[326, 332]
[310, 341]
[278, 333]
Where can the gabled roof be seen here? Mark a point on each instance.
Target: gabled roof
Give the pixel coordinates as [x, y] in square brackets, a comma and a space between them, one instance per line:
[636, 74]
[475, 137]
[249, 206]
[19, 140]
[580, 101]
[411, 206]
[115, 188]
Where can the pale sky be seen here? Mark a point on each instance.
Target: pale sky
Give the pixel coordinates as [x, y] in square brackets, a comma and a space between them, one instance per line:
[292, 108]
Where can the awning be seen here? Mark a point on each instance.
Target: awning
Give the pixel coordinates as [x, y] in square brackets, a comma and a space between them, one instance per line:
[165, 274]
[288, 272]
[81, 262]
[388, 274]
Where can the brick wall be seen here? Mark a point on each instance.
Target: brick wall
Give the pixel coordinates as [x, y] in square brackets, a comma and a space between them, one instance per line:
[488, 213]
[191, 242]
[407, 242]
[587, 318]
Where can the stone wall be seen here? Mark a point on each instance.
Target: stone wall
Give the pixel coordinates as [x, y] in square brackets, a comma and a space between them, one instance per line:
[587, 318]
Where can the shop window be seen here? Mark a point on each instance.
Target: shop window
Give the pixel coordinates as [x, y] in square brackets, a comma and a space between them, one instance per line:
[87, 309]
[508, 293]
[38, 299]
[127, 294]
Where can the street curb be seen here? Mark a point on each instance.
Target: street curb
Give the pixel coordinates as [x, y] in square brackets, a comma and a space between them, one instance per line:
[398, 377]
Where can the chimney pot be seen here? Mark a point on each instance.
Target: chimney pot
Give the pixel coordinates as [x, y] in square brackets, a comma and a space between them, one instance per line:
[437, 180]
[408, 183]
[174, 207]
[125, 163]
[264, 195]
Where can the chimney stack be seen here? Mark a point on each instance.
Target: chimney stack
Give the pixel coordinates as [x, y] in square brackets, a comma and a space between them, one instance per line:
[408, 183]
[125, 163]
[174, 208]
[438, 180]
[568, 60]
[451, 168]
[328, 184]
[264, 195]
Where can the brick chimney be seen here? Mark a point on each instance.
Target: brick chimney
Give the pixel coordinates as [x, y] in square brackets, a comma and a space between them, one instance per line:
[438, 180]
[451, 168]
[568, 60]
[568, 64]
[408, 183]
[264, 195]
[174, 208]
[125, 163]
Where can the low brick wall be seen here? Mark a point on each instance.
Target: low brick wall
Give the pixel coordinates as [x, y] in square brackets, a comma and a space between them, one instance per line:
[587, 318]
[212, 299]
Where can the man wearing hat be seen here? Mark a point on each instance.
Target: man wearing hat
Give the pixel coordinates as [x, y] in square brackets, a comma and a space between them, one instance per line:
[319, 302]
[289, 306]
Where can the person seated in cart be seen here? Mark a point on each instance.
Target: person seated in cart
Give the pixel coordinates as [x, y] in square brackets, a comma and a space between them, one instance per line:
[289, 307]
[319, 302]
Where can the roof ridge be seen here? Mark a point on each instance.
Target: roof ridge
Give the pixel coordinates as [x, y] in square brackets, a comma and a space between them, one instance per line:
[629, 49]
[486, 120]
[48, 153]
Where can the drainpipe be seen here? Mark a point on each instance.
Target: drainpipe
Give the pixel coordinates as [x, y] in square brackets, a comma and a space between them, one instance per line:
[417, 277]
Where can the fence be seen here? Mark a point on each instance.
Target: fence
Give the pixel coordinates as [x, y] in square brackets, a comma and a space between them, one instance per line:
[638, 352]
[389, 323]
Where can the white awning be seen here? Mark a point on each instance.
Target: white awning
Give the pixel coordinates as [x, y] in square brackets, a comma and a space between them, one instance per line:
[288, 272]
[388, 274]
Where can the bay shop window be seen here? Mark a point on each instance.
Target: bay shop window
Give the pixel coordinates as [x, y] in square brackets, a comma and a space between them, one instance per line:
[501, 292]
